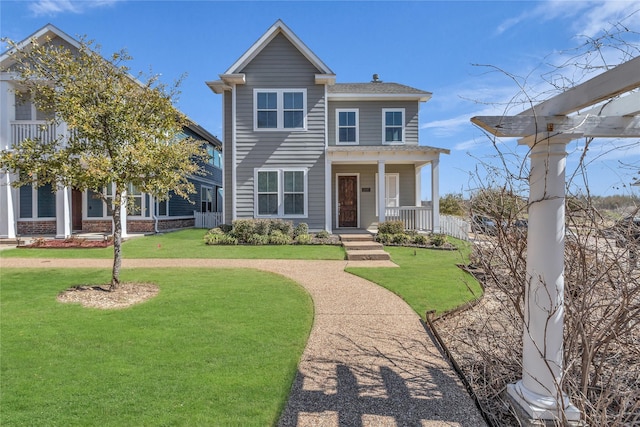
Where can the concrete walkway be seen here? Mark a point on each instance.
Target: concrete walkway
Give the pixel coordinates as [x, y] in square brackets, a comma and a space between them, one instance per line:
[368, 360]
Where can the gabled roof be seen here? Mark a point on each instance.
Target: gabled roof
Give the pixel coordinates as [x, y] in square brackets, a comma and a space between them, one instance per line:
[278, 27]
[234, 74]
[45, 33]
[375, 90]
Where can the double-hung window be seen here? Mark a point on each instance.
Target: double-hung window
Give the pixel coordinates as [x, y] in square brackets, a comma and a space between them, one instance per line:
[392, 190]
[393, 125]
[280, 109]
[347, 127]
[281, 192]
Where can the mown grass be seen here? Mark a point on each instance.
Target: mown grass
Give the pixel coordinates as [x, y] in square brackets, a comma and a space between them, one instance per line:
[214, 347]
[185, 244]
[427, 279]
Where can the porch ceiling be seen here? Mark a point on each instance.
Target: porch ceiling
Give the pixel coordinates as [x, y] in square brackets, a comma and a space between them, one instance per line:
[418, 155]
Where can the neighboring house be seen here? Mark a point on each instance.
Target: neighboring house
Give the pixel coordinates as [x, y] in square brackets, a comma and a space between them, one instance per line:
[300, 146]
[46, 211]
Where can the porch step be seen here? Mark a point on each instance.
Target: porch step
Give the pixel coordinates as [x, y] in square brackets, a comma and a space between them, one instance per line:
[363, 247]
[374, 255]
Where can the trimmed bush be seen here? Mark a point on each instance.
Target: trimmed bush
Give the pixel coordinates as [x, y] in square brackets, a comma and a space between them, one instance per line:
[258, 239]
[301, 229]
[216, 230]
[383, 238]
[262, 227]
[391, 227]
[285, 227]
[323, 234]
[420, 240]
[400, 238]
[220, 239]
[438, 239]
[226, 228]
[243, 229]
[277, 237]
[303, 239]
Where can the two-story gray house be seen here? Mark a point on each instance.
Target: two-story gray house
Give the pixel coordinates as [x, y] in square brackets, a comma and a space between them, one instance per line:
[300, 146]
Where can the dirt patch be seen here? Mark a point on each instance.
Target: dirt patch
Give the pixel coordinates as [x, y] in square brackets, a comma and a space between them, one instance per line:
[68, 243]
[126, 295]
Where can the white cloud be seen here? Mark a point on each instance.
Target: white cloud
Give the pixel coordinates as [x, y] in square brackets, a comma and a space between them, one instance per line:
[54, 7]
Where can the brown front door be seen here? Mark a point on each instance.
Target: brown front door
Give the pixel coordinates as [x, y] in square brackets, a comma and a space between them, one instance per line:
[76, 210]
[348, 201]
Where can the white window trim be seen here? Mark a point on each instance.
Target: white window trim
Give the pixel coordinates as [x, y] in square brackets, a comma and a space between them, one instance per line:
[384, 126]
[280, 110]
[347, 110]
[386, 187]
[281, 172]
[202, 190]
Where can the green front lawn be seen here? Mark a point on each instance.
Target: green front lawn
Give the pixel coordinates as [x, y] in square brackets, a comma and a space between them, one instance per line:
[185, 244]
[214, 347]
[427, 279]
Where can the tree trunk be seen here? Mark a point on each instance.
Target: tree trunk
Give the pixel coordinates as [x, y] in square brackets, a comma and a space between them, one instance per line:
[117, 240]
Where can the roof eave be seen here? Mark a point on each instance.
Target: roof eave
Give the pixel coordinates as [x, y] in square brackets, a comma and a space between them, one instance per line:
[422, 97]
[44, 32]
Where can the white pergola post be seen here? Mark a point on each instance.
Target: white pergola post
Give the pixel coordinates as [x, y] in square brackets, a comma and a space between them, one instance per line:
[382, 192]
[435, 194]
[63, 212]
[539, 392]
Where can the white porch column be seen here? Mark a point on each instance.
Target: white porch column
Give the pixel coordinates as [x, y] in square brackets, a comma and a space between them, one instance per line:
[418, 196]
[539, 392]
[435, 194]
[8, 212]
[63, 212]
[382, 192]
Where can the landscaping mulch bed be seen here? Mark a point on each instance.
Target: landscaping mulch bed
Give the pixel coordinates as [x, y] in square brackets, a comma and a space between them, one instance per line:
[68, 243]
[126, 295]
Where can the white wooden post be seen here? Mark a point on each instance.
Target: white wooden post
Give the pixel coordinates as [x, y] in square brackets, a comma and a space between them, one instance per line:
[63, 212]
[123, 214]
[539, 392]
[435, 194]
[8, 211]
[382, 192]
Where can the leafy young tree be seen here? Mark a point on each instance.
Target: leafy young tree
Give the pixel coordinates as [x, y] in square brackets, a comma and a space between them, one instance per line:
[122, 132]
[452, 204]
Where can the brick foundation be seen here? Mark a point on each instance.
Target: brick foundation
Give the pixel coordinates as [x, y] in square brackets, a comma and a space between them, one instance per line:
[37, 228]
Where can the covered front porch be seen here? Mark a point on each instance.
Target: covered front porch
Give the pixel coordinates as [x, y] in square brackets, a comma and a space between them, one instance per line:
[369, 185]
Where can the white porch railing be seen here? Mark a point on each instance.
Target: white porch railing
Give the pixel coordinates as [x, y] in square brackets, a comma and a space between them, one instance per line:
[417, 218]
[455, 227]
[33, 129]
[207, 219]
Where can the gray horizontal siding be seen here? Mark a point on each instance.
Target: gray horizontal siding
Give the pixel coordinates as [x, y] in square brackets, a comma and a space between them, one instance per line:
[280, 66]
[370, 120]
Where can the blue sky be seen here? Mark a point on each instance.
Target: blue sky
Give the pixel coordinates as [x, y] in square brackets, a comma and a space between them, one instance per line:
[430, 45]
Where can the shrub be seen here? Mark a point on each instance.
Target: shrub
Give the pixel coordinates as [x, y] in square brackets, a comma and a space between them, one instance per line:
[277, 237]
[383, 238]
[262, 227]
[438, 239]
[220, 239]
[400, 238]
[322, 234]
[285, 227]
[301, 229]
[420, 239]
[303, 239]
[226, 228]
[258, 239]
[216, 230]
[243, 229]
[391, 227]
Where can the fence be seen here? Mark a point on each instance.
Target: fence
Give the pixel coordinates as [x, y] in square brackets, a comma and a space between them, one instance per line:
[207, 219]
[414, 217]
[455, 227]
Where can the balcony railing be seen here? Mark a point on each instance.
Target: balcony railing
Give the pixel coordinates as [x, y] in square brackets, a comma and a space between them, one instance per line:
[40, 130]
[418, 218]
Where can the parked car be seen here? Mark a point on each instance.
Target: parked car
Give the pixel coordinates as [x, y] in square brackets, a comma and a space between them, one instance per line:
[483, 224]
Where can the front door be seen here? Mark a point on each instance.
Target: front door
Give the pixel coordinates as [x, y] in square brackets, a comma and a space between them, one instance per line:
[348, 201]
[76, 210]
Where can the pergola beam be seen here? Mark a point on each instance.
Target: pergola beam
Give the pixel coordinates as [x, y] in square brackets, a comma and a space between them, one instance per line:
[628, 105]
[587, 125]
[623, 78]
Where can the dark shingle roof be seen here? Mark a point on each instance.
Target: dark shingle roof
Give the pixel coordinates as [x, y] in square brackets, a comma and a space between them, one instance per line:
[375, 88]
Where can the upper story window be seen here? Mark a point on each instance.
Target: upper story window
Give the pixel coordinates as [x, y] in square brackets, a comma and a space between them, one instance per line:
[214, 156]
[280, 109]
[393, 125]
[25, 108]
[347, 126]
